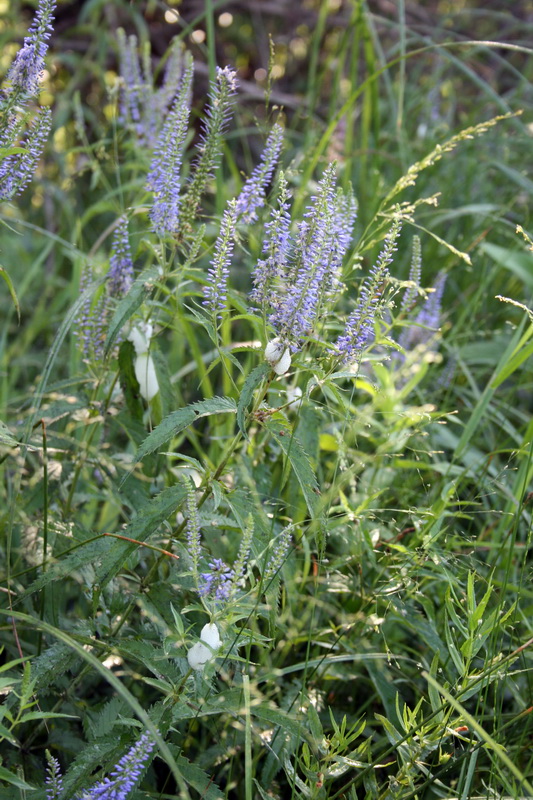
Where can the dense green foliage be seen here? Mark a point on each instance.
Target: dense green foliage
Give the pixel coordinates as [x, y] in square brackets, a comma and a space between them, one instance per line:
[376, 631]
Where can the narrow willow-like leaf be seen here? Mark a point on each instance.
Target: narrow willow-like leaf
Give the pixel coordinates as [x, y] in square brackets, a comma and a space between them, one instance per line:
[251, 383]
[141, 288]
[181, 419]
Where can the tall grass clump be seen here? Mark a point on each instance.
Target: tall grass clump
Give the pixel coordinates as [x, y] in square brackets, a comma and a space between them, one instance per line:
[266, 434]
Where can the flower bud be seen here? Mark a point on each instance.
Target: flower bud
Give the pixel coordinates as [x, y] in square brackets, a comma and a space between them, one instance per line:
[198, 656]
[211, 636]
[283, 365]
[146, 375]
[278, 356]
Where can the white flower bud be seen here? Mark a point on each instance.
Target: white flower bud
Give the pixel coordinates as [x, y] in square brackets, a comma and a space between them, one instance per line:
[204, 650]
[199, 655]
[274, 351]
[282, 366]
[211, 636]
[146, 375]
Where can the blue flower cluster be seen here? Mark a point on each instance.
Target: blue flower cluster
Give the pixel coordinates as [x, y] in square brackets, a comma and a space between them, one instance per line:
[142, 107]
[164, 178]
[22, 84]
[216, 583]
[252, 195]
[360, 324]
[120, 276]
[300, 279]
[215, 290]
[118, 785]
[26, 71]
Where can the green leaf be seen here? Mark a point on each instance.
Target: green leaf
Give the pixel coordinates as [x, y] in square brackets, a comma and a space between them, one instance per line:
[299, 460]
[46, 715]
[166, 392]
[516, 261]
[199, 780]
[7, 776]
[5, 275]
[181, 419]
[128, 380]
[251, 383]
[141, 288]
[149, 518]
[6, 437]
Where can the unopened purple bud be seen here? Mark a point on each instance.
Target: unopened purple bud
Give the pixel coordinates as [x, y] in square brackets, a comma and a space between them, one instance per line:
[252, 195]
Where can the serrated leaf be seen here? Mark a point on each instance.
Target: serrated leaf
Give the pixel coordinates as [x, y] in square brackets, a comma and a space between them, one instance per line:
[251, 383]
[129, 304]
[199, 780]
[299, 461]
[181, 419]
[149, 518]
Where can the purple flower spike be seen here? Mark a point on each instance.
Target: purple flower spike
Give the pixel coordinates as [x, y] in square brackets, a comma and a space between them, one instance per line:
[120, 275]
[252, 195]
[360, 323]
[16, 171]
[296, 304]
[216, 289]
[26, 71]
[125, 775]
[276, 247]
[54, 780]
[165, 173]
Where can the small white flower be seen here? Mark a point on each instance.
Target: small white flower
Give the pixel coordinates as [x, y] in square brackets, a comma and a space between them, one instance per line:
[211, 636]
[204, 650]
[274, 350]
[199, 655]
[146, 375]
[283, 365]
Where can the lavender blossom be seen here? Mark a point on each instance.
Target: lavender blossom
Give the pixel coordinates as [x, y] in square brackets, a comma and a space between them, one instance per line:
[125, 775]
[276, 247]
[16, 170]
[252, 195]
[218, 582]
[341, 239]
[120, 276]
[142, 107]
[164, 178]
[296, 303]
[360, 323]
[132, 87]
[411, 293]
[218, 115]
[216, 289]
[429, 315]
[54, 780]
[279, 554]
[25, 73]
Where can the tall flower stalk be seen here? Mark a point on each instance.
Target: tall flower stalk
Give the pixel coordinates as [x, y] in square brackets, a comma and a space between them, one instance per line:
[360, 324]
[164, 178]
[218, 114]
[252, 195]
